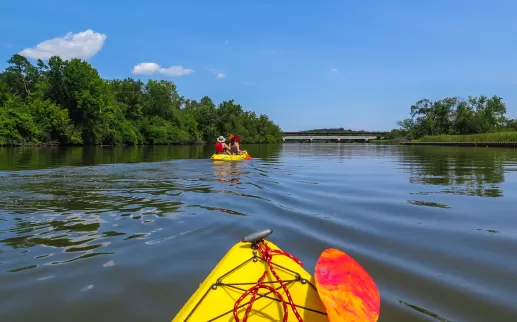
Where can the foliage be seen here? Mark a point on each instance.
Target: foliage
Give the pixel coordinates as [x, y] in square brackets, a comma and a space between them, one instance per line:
[510, 136]
[381, 141]
[453, 115]
[341, 129]
[67, 102]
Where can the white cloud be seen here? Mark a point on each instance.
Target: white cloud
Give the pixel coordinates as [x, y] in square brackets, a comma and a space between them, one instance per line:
[81, 45]
[146, 68]
[216, 72]
[333, 70]
[152, 68]
[176, 71]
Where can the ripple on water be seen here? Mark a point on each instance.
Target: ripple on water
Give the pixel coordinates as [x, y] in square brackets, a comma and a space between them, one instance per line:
[434, 227]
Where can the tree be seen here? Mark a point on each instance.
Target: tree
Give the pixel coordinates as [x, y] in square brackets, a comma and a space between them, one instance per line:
[129, 93]
[67, 102]
[21, 77]
[453, 115]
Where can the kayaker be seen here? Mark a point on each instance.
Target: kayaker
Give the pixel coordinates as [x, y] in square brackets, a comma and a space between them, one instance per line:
[234, 144]
[221, 146]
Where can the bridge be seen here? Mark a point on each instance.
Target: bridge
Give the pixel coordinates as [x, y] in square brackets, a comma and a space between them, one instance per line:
[334, 136]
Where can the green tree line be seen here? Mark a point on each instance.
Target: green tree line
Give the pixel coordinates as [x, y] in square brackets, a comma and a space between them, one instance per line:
[340, 129]
[454, 115]
[67, 102]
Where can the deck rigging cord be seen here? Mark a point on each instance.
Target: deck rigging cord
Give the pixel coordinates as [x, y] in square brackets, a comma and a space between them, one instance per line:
[267, 254]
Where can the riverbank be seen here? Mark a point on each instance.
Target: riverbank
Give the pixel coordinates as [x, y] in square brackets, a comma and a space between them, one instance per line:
[382, 141]
[471, 144]
[56, 144]
[496, 139]
[471, 138]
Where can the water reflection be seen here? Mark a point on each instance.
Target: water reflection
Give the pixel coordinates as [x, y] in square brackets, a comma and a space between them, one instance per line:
[38, 158]
[227, 171]
[460, 171]
[73, 233]
[23, 158]
[424, 311]
[429, 204]
[112, 226]
[73, 213]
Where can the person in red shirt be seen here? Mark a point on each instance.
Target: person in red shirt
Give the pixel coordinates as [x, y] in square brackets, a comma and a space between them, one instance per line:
[221, 146]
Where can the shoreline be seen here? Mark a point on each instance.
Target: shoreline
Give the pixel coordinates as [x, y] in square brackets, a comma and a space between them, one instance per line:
[465, 144]
[379, 142]
[49, 145]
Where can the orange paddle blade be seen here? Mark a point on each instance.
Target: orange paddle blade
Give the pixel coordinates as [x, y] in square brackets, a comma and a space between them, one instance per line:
[345, 288]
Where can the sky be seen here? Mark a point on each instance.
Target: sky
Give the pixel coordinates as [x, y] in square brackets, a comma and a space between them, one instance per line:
[356, 64]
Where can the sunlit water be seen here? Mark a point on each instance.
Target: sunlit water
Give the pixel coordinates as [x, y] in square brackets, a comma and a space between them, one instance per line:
[127, 234]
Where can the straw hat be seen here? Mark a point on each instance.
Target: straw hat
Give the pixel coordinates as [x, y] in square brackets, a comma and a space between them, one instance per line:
[221, 139]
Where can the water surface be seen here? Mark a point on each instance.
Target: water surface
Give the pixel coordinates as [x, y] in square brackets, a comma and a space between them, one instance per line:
[127, 234]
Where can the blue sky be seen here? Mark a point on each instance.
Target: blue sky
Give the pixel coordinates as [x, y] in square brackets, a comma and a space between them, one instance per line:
[358, 64]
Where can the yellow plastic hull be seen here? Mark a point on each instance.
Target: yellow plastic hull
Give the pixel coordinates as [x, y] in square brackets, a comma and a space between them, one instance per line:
[229, 157]
[237, 267]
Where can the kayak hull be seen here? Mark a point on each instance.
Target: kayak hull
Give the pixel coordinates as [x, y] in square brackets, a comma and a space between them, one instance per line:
[229, 157]
[237, 271]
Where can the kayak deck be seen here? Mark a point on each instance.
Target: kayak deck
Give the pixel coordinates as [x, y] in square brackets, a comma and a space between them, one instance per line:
[229, 157]
[240, 269]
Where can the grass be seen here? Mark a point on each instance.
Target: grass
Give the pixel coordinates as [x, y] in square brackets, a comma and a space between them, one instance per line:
[382, 141]
[481, 137]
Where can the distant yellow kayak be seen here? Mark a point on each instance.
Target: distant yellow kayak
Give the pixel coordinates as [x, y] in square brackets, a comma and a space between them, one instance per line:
[220, 296]
[230, 157]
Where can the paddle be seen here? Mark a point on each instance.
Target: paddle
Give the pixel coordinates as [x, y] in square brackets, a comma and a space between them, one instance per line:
[346, 289]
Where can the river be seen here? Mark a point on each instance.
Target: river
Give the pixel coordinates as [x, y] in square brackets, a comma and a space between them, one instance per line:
[127, 234]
